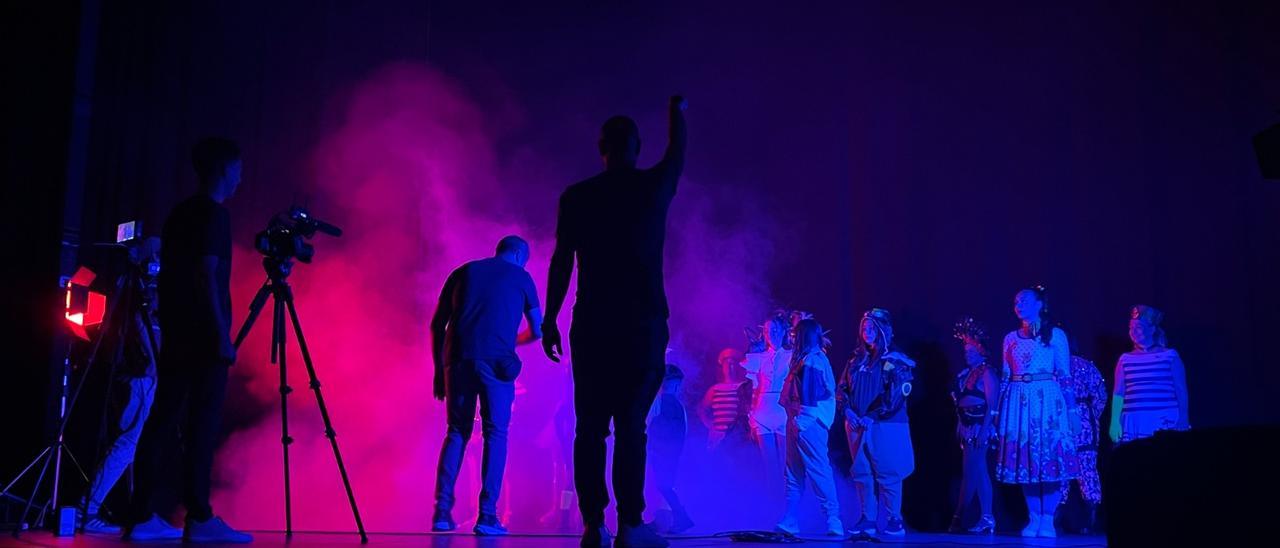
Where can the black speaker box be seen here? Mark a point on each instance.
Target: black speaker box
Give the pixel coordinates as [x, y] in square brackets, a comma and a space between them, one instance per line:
[1211, 487]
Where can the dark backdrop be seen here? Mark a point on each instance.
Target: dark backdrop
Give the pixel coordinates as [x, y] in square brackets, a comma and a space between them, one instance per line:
[928, 158]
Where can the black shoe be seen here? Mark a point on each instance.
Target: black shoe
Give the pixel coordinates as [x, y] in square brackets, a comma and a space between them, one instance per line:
[865, 526]
[442, 522]
[213, 531]
[895, 527]
[955, 527]
[155, 528]
[597, 537]
[489, 526]
[639, 536]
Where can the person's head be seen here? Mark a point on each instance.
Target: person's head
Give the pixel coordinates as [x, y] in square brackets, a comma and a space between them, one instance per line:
[1144, 327]
[619, 142]
[876, 329]
[217, 164]
[973, 336]
[673, 379]
[808, 336]
[514, 250]
[796, 316]
[730, 360]
[777, 331]
[1031, 306]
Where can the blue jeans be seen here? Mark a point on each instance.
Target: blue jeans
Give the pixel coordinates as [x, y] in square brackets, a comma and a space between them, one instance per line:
[493, 383]
[142, 392]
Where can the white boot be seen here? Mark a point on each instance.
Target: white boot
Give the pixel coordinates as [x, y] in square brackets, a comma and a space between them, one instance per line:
[1033, 526]
[1046, 527]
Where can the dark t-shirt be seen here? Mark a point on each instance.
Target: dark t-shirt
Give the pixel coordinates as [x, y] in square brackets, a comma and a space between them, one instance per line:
[197, 227]
[616, 223]
[486, 300]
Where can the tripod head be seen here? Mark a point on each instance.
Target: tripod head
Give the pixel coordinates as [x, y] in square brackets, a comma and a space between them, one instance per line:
[278, 269]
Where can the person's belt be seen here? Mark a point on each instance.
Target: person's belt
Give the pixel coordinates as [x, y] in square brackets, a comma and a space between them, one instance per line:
[1032, 377]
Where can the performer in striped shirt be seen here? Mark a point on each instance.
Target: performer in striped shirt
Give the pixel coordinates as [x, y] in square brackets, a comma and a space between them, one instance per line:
[726, 404]
[1150, 391]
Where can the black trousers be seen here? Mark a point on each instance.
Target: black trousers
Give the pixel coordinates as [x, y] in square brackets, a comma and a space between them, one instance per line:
[617, 371]
[201, 385]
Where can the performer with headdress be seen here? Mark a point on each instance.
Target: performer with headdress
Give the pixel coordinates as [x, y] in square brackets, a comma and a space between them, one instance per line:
[1038, 421]
[1150, 393]
[873, 394]
[975, 393]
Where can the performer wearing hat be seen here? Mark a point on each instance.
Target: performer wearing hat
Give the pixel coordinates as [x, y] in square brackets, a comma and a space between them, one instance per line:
[1150, 393]
[872, 395]
[975, 392]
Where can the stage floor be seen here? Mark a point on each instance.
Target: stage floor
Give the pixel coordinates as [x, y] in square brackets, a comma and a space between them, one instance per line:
[272, 539]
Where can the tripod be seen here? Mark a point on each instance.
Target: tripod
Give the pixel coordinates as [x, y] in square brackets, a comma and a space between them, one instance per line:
[130, 293]
[277, 287]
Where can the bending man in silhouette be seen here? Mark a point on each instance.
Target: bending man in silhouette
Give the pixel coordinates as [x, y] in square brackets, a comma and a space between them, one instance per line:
[474, 334]
[614, 224]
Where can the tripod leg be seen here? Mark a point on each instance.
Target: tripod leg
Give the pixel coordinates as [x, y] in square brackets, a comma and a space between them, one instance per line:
[255, 308]
[75, 462]
[279, 338]
[17, 526]
[324, 414]
[24, 471]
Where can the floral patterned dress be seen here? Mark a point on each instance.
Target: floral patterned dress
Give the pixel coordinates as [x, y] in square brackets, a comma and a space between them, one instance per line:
[1037, 444]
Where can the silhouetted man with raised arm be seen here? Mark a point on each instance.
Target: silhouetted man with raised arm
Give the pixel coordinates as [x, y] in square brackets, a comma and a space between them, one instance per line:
[614, 224]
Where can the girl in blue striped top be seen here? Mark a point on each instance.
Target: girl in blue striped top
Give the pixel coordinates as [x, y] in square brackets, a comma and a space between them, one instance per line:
[1150, 391]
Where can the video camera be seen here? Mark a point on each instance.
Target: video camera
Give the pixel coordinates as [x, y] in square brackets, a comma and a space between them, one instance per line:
[286, 235]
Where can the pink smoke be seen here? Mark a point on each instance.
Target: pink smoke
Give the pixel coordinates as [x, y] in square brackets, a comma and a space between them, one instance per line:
[412, 173]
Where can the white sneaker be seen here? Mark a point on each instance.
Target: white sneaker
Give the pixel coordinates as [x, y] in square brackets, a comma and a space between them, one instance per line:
[788, 525]
[835, 528]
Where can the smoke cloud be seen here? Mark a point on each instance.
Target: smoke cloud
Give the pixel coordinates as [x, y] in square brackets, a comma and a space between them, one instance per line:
[423, 178]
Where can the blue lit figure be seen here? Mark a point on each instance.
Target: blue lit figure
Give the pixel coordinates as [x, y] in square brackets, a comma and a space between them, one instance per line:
[668, 426]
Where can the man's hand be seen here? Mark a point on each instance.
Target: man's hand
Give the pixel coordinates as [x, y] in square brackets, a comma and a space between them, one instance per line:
[679, 103]
[226, 352]
[437, 389]
[551, 341]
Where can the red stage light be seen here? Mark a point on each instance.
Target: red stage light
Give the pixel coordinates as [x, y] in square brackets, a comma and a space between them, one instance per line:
[85, 308]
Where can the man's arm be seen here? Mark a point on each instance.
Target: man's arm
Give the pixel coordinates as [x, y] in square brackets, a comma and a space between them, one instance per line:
[439, 324]
[672, 164]
[558, 282]
[534, 332]
[1117, 404]
[210, 295]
